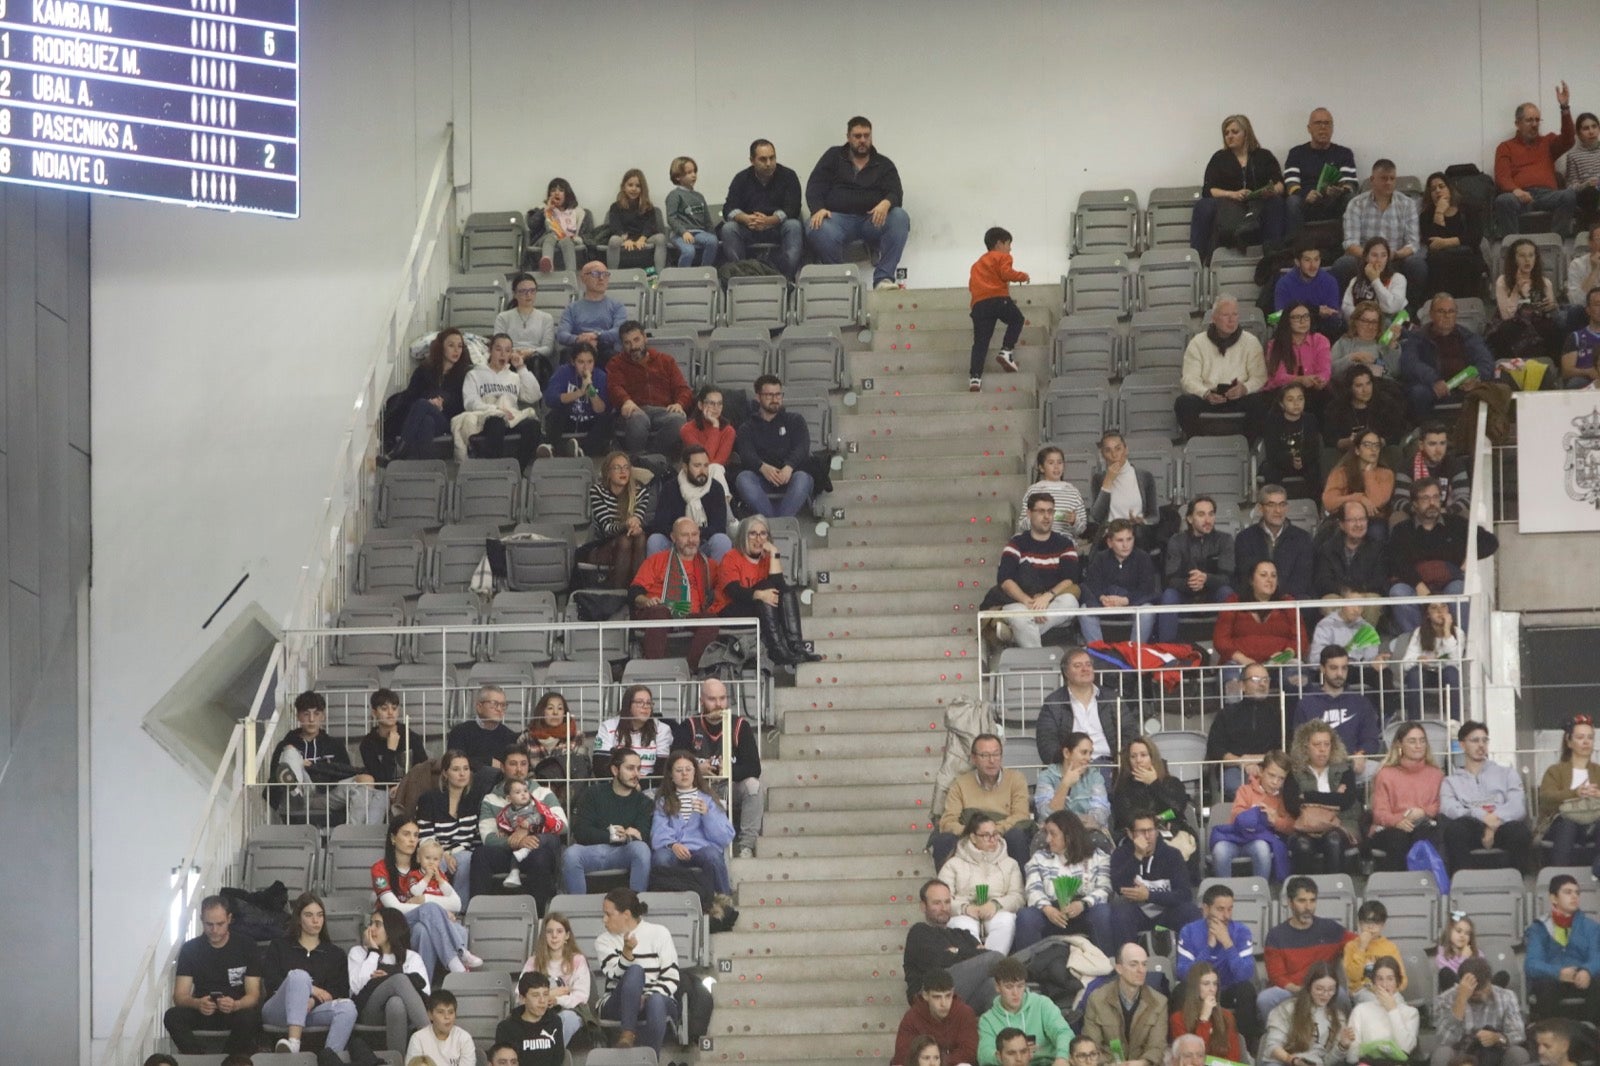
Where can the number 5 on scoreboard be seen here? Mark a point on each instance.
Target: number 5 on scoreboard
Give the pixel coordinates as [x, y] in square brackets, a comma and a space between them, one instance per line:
[269, 41]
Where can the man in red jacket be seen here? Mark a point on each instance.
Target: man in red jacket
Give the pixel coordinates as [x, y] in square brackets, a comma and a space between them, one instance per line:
[676, 583]
[1525, 170]
[938, 1012]
[646, 389]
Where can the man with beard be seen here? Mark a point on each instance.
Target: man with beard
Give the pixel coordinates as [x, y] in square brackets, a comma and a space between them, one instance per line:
[763, 206]
[1349, 714]
[1426, 554]
[772, 445]
[693, 494]
[854, 194]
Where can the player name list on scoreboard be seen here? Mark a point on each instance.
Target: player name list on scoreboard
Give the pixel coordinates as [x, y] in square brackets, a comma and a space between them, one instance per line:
[189, 101]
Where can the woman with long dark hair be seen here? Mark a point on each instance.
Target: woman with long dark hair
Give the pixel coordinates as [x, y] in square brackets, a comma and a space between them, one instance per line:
[1360, 476]
[1200, 1013]
[1527, 321]
[414, 417]
[709, 427]
[559, 223]
[1377, 280]
[640, 964]
[387, 979]
[690, 828]
[409, 879]
[306, 980]
[1452, 235]
[1308, 1029]
[449, 814]
[1068, 851]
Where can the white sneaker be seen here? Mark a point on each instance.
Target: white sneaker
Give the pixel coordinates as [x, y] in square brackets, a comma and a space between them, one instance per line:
[1002, 632]
[544, 451]
[473, 962]
[747, 852]
[1007, 361]
[974, 384]
[290, 1046]
[886, 284]
[456, 966]
[514, 878]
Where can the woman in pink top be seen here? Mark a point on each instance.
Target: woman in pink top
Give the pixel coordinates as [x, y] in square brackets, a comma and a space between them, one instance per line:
[1405, 797]
[1296, 355]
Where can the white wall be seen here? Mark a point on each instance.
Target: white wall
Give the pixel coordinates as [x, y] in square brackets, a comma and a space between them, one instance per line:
[227, 349]
[227, 352]
[1004, 113]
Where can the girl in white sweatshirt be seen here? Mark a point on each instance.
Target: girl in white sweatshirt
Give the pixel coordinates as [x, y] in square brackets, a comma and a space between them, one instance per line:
[492, 397]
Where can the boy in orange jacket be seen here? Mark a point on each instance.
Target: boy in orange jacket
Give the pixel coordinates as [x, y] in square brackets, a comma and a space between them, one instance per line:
[989, 284]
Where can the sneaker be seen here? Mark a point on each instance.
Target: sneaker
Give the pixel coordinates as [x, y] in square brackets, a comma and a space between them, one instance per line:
[456, 966]
[1002, 632]
[513, 879]
[284, 1044]
[473, 962]
[747, 852]
[886, 283]
[544, 451]
[575, 449]
[974, 384]
[545, 265]
[1007, 361]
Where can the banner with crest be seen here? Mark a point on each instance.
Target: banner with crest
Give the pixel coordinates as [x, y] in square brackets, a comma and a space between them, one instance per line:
[1558, 461]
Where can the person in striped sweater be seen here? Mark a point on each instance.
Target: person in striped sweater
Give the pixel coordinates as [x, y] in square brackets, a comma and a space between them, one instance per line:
[640, 964]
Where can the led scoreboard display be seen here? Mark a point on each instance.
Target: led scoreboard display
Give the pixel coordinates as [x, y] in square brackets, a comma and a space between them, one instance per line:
[185, 101]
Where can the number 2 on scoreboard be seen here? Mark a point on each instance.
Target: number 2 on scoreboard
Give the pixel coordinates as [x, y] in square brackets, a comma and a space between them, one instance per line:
[272, 152]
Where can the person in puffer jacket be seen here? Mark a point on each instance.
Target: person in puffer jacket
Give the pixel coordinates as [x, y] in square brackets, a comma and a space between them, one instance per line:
[980, 869]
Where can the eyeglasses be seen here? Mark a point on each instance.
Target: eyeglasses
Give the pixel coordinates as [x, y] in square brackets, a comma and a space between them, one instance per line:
[991, 835]
[1256, 680]
[597, 273]
[1371, 444]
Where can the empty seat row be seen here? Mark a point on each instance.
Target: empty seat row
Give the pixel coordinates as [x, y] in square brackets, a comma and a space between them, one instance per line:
[1166, 278]
[421, 494]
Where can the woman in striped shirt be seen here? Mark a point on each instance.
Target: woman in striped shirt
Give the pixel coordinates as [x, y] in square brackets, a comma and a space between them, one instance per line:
[640, 964]
[1049, 470]
[617, 510]
[449, 814]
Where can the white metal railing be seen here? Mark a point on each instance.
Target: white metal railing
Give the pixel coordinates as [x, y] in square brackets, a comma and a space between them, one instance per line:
[324, 579]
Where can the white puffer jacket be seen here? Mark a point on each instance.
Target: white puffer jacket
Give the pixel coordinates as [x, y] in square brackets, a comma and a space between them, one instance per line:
[970, 867]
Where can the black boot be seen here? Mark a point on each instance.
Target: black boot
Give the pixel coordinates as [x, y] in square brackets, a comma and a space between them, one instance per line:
[789, 611]
[778, 651]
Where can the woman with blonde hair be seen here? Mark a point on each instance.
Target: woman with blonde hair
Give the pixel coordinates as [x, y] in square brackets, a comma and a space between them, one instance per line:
[1241, 196]
[617, 509]
[635, 226]
[1320, 772]
[1405, 797]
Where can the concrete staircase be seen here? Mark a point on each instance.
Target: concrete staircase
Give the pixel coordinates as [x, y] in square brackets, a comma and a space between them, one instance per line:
[920, 512]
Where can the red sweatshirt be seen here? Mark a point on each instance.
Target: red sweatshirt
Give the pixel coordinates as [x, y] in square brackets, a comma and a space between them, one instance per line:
[990, 275]
[1260, 639]
[957, 1034]
[1520, 165]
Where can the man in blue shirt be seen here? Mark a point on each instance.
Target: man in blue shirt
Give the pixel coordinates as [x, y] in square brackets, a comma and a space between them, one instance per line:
[1225, 944]
[594, 316]
[1309, 284]
[1350, 714]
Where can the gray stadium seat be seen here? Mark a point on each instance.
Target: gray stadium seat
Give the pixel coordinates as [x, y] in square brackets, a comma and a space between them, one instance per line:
[500, 930]
[1184, 751]
[558, 491]
[818, 413]
[811, 355]
[1075, 416]
[586, 645]
[486, 492]
[1336, 898]
[260, 1058]
[557, 289]
[1552, 257]
[1170, 278]
[541, 558]
[688, 298]
[346, 689]
[630, 286]
[369, 612]
[758, 301]
[429, 698]
[1167, 215]
[1090, 343]
[1588, 890]
[735, 356]
[1496, 899]
[457, 551]
[394, 563]
[1098, 283]
[829, 295]
[352, 849]
[286, 853]
[668, 680]
[482, 1000]
[444, 609]
[1234, 273]
[1437, 732]
[585, 693]
[790, 542]
[493, 240]
[1022, 678]
[517, 681]
[521, 608]
[1107, 220]
[1252, 904]
[1412, 900]
[1144, 405]
[413, 494]
[1251, 320]
[472, 301]
[619, 1056]
[1216, 466]
[1159, 456]
[685, 351]
[1156, 342]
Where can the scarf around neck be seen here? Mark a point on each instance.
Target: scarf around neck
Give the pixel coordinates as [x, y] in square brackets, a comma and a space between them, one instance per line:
[1222, 342]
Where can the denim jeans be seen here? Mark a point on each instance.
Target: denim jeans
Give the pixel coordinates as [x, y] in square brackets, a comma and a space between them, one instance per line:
[1090, 626]
[751, 487]
[1446, 681]
[713, 547]
[1559, 202]
[579, 860]
[288, 1007]
[1223, 853]
[704, 245]
[1167, 624]
[888, 240]
[1095, 923]
[655, 428]
[790, 238]
[1408, 616]
[436, 938]
[627, 1002]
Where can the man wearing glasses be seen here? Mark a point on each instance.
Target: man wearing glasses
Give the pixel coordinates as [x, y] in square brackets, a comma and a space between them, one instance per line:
[1309, 198]
[773, 445]
[1276, 538]
[1483, 805]
[485, 737]
[1430, 357]
[1525, 169]
[594, 316]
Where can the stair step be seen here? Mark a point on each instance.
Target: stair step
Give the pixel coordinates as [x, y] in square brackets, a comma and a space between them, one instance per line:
[828, 773]
[944, 373]
[932, 485]
[926, 317]
[1046, 296]
[847, 918]
[968, 443]
[954, 646]
[861, 468]
[844, 847]
[730, 996]
[943, 400]
[907, 579]
[755, 973]
[904, 799]
[820, 1050]
[774, 1021]
[839, 560]
[924, 744]
[947, 517]
[873, 604]
[958, 672]
[855, 723]
[848, 698]
[887, 944]
[829, 895]
[785, 824]
[870, 428]
[752, 873]
[907, 538]
[947, 340]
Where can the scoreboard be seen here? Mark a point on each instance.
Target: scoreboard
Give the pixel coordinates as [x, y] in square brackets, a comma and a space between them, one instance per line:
[183, 101]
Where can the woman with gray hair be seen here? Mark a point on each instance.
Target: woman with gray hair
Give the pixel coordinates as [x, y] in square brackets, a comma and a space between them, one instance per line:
[750, 584]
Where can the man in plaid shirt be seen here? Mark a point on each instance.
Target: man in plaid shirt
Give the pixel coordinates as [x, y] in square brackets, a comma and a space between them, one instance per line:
[1378, 212]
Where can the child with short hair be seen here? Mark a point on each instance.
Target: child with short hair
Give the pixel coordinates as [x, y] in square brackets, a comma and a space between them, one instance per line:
[441, 1041]
[1362, 953]
[522, 811]
[989, 284]
[535, 1030]
[688, 217]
